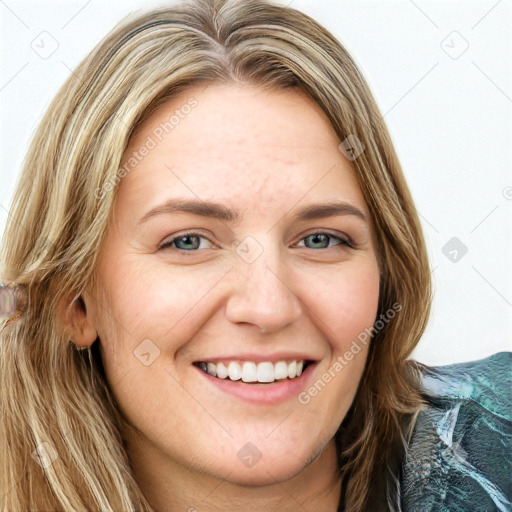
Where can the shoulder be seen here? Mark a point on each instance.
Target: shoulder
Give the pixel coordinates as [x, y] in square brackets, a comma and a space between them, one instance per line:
[486, 383]
[460, 449]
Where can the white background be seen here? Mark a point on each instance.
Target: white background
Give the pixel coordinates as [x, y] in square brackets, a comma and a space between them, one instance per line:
[448, 109]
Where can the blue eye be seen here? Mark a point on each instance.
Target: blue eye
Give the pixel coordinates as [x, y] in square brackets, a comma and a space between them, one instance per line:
[320, 239]
[184, 242]
[191, 241]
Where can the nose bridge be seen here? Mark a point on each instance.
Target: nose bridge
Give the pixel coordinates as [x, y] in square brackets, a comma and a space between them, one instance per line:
[261, 294]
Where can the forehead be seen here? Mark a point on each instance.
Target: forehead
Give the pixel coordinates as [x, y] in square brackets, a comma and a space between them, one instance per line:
[239, 144]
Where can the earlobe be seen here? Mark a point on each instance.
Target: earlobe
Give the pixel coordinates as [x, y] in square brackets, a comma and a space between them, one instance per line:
[77, 322]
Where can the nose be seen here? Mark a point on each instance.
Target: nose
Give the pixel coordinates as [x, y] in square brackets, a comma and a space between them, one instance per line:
[262, 296]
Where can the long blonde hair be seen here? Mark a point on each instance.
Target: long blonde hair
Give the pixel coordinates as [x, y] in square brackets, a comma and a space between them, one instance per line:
[61, 446]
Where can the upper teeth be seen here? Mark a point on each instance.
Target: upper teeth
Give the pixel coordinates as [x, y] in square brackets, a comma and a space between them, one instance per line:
[252, 372]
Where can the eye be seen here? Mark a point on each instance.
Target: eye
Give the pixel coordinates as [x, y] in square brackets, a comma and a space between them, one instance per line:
[321, 240]
[189, 241]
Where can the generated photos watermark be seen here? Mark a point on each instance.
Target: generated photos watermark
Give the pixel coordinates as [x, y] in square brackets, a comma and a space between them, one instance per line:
[151, 142]
[341, 362]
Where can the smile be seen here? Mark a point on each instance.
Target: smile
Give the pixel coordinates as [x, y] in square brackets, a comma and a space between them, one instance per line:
[249, 371]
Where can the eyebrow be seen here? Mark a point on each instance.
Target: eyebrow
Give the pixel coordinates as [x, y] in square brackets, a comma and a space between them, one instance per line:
[222, 212]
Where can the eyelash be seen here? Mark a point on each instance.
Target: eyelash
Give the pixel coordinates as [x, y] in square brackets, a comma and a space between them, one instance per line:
[168, 244]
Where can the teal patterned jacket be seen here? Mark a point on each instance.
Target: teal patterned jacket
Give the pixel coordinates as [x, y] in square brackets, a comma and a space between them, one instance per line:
[459, 457]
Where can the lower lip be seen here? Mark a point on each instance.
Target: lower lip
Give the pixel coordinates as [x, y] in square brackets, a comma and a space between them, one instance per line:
[263, 394]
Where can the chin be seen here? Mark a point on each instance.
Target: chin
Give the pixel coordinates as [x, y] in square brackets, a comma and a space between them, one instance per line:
[263, 473]
[251, 468]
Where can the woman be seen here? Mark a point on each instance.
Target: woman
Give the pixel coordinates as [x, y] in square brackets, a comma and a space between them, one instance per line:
[219, 223]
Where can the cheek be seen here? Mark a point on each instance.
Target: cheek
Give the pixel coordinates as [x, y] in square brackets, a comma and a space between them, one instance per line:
[345, 305]
[345, 311]
[358, 304]
[153, 302]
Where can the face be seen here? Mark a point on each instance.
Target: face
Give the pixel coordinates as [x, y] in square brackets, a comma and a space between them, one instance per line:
[241, 251]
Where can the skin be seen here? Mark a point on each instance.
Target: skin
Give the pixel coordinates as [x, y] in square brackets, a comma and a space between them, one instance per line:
[267, 154]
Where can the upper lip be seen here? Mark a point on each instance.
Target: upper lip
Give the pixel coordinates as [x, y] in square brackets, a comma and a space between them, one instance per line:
[260, 358]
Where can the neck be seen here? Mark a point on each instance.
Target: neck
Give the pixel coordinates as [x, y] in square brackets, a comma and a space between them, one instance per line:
[170, 486]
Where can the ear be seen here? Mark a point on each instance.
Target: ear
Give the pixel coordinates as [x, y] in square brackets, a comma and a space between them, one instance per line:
[77, 322]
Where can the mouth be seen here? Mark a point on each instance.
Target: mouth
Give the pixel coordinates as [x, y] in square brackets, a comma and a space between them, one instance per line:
[258, 379]
[251, 372]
